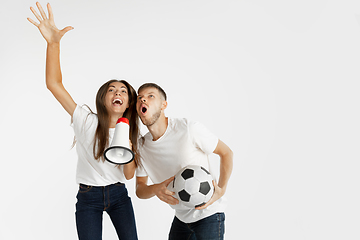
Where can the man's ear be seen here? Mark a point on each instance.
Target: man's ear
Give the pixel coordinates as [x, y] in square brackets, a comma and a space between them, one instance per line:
[164, 105]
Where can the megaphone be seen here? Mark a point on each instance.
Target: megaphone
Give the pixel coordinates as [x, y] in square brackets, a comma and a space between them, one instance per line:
[119, 151]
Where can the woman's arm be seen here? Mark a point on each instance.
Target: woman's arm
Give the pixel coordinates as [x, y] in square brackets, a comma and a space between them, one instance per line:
[53, 35]
[129, 170]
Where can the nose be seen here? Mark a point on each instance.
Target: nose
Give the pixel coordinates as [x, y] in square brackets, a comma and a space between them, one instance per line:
[143, 100]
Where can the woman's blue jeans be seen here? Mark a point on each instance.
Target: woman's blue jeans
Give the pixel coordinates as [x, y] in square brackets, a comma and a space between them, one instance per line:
[209, 228]
[93, 201]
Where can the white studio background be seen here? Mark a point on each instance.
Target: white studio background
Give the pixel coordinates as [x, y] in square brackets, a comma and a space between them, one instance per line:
[275, 80]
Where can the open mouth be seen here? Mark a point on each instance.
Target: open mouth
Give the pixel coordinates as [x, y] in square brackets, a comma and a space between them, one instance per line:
[143, 109]
[117, 102]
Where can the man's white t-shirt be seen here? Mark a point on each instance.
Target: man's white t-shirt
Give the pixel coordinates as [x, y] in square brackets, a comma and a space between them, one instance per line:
[89, 170]
[183, 143]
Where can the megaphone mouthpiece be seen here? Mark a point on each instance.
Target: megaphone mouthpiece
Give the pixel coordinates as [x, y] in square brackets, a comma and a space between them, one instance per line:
[124, 120]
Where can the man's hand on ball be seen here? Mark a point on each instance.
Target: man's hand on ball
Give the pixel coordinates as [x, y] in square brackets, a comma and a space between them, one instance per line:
[165, 194]
[218, 193]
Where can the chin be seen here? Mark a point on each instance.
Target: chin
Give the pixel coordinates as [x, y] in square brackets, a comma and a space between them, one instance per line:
[143, 120]
[117, 112]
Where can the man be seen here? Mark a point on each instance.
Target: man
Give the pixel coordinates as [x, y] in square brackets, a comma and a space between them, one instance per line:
[170, 145]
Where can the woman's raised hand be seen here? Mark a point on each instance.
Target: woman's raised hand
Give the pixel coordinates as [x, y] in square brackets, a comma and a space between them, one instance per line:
[47, 25]
[52, 36]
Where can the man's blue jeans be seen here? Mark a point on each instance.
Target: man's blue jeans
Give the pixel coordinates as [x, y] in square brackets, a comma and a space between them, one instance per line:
[210, 228]
[93, 201]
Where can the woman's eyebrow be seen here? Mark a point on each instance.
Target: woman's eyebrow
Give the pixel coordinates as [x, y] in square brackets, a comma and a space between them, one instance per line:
[115, 87]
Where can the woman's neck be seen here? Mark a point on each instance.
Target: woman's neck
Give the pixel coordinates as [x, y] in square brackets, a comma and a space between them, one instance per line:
[113, 120]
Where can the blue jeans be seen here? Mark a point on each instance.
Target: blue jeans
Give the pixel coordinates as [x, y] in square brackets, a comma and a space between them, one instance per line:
[93, 201]
[209, 228]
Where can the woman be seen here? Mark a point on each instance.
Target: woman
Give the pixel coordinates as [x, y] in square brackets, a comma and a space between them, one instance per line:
[101, 184]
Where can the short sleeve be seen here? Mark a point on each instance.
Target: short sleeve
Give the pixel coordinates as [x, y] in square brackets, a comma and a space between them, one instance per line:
[140, 172]
[83, 122]
[202, 137]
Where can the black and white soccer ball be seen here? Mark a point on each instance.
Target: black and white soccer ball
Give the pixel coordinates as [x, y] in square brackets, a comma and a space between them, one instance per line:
[193, 186]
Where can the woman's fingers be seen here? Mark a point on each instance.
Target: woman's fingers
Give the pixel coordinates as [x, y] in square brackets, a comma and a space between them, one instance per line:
[51, 16]
[36, 14]
[65, 30]
[41, 11]
[33, 22]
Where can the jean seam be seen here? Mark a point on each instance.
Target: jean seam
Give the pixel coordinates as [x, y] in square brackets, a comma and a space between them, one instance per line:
[108, 194]
[219, 220]
[105, 195]
[192, 231]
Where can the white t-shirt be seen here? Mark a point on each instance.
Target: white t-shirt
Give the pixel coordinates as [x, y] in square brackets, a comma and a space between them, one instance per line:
[89, 170]
[183, 143]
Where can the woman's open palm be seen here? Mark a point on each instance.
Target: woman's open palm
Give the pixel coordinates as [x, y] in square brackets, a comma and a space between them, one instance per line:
[47, 25]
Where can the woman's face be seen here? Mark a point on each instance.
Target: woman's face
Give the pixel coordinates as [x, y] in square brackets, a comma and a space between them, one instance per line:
[116, 98]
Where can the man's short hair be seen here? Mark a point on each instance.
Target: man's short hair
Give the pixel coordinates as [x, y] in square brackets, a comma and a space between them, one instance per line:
[153, 85]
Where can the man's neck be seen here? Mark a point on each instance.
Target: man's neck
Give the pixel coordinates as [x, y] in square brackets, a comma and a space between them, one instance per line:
[158, 129]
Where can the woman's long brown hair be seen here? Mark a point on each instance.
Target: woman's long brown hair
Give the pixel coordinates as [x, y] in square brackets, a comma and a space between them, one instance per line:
[102, 131]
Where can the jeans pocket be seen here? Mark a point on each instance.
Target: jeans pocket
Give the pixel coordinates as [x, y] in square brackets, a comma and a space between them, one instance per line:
[84, 188]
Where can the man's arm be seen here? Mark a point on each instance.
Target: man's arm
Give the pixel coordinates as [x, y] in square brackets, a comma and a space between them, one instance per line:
[226, 165]
[160, 190]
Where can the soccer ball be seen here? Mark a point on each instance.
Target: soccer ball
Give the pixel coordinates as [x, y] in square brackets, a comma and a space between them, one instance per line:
[193, 186]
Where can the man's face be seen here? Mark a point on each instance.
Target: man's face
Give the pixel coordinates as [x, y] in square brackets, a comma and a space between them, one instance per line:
[149, 105]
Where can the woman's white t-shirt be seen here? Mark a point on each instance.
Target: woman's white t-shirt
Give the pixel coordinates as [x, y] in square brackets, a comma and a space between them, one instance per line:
[89, 170]
[184, 143]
